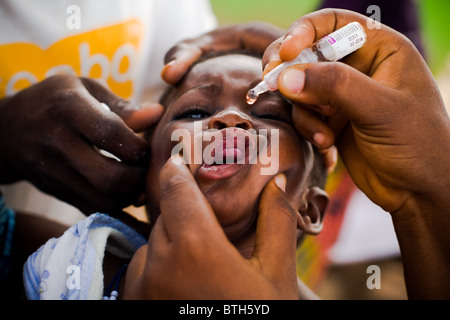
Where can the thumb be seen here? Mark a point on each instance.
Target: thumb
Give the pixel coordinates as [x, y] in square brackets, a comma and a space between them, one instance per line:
[178, 189]
[359, 97]
[276, 231]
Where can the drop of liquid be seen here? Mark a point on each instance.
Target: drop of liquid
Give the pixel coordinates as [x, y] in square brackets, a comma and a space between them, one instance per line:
[251, 96]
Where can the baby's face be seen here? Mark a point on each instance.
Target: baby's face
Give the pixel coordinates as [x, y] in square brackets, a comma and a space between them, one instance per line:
[212, 97]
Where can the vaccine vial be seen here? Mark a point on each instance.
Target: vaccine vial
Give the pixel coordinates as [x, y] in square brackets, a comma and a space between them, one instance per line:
[330, 48]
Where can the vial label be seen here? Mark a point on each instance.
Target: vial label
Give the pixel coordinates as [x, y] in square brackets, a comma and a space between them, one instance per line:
[346, 40]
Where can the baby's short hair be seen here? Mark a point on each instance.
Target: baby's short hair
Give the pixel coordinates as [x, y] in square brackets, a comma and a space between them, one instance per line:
[319, 172]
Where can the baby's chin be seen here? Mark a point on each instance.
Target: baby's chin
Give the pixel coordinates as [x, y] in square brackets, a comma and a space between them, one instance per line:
[235, 211]
[234, 199]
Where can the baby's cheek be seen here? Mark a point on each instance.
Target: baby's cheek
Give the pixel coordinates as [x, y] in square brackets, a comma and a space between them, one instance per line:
[295, 163]
[290, 152]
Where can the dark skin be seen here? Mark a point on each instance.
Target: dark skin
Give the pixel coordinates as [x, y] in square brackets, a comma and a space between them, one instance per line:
[65, 103]
[390, 125]
[252, 36]
[185, 251]
[415, 100]
[242, 247]
[62, 139]
[70, 114]
[213, 92]
[382, 108]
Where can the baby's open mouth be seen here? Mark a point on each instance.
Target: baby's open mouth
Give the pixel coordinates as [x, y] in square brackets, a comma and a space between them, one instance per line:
[230, 150]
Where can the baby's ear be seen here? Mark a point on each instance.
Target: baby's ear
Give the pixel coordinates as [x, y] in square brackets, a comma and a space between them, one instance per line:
[310, 215]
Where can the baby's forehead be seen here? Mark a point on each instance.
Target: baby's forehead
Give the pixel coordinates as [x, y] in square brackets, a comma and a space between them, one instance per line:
[218, 70]
[241, 64]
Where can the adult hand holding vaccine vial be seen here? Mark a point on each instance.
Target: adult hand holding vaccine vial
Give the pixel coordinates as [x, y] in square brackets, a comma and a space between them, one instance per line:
[331, 48]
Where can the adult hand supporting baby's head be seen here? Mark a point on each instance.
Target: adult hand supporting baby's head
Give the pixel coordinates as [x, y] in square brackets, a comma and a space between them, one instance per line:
[190, 257]
[52, 131]
[253, 36]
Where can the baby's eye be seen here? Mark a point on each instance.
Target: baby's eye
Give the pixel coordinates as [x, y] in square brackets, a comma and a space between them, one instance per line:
[198, 114]
[273, 107]
[193, 113]
[273, 115]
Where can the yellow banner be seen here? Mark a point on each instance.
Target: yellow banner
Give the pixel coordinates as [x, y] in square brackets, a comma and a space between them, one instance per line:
[109, 53]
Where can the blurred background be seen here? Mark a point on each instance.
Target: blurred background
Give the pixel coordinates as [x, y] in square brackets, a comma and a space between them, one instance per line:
[433, 19]
[356, 234]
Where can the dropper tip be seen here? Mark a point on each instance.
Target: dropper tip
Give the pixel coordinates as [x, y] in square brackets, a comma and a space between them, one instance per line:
[251, 96]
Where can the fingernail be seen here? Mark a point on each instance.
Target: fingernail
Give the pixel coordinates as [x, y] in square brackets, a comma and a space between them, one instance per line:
[271, 65]
[167, 66]
[153, 106]
[319, 139]
[171, 62]
[104, 105]
[293, 80]
[147, 105]
[177, 159]
[333, 161]
[286, 40]
[287, 37]
[280, 181]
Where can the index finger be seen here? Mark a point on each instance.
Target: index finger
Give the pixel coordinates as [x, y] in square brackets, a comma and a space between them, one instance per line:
[312, 27]
[137, 118]
[252, 36]
[107, 131]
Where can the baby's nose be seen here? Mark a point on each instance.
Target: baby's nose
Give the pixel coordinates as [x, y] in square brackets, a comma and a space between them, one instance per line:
[230, 118]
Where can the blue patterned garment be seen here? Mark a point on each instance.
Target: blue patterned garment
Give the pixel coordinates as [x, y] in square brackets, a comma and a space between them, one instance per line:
[7, 222]
[71, 267]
